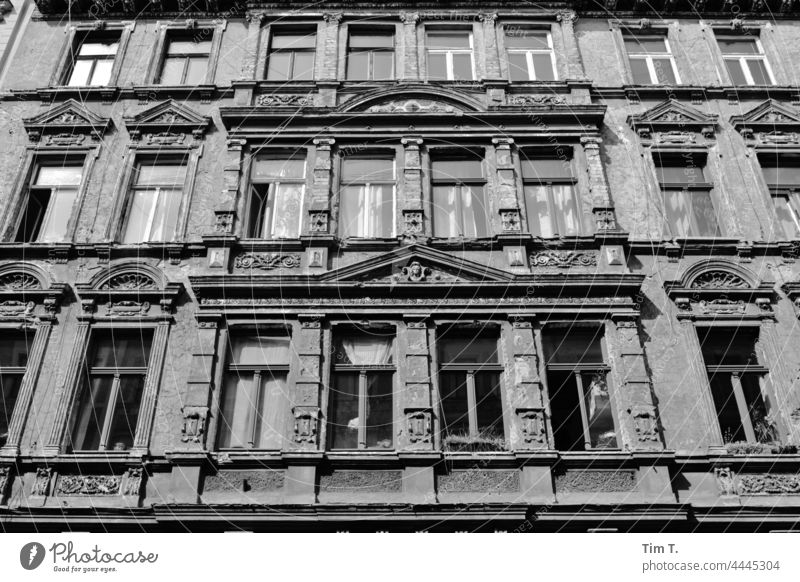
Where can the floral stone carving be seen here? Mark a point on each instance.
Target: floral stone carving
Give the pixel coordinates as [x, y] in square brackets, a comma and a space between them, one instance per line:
[266, 261]
[88, 485]
[563, 259]
[719, 280]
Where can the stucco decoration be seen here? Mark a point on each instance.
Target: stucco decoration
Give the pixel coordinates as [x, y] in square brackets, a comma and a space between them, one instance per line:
[479, 481]
[361, 481]
[591, 481]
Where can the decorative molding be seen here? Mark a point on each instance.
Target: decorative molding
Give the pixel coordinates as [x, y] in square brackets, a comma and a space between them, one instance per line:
[67, 123]
[419, 424]
[479, 481]
[12, 308]
[132, 481]
[511, 220]
[725, 480]
[283, 100]
[717, 279]
[229, 481]
[645, 424]
[194, 421]
[306, 424]
[672, 119]
[5, 479]
[168, 117]
[130, 282]
[722, 306]
[88, 485]
[771, 123]
[41, 484]
[414, 106]
[563, 259]
[596, 481]
[532, 422]
[266, 261]
[361, 481]
[509, 300]
[769, 484]
[127, 308]
[413, 223]
[415, 272]
[223, 221]
[318, 221]
[535, 100]
[605, 219]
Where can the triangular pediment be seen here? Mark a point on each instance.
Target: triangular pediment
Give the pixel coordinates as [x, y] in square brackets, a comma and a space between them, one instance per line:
[770, 115]
[672, 113]
[168, 116]
[418, 265]
[67, 118]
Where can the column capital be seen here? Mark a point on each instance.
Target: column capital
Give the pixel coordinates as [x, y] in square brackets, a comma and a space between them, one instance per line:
[502, 141]
[322, 143]
[591, 141]
[411, 141]
[409, 17]
[332, 17]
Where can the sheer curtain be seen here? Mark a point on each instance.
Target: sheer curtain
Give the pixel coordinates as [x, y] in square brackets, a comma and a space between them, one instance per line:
[367, 351]
[285, 210]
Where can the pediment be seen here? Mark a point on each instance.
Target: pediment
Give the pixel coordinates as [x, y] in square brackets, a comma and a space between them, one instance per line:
[772, 120]
[672, 115]
[168, 118]
[412, 100]
[418, 265]
[67, 119]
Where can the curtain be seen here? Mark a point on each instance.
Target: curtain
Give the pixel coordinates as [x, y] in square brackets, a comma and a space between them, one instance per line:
[677, 211]
[94, 402]
[59, 211]
[367, 351]
[601, 420]
[539, 221]
[261, 350]
[153, 215]
[251, 411]
[284, 211]
[445, 221]
[344, 410]
[566, 210]
[704, 215]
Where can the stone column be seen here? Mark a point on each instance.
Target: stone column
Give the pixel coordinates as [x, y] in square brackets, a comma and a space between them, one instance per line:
[602, 205]
[329, 55]
[25, 395]
[528, 425]
[199, 386]
[320, 206]
[410, 56]
[417, 429]
[68, 387]
[574, 60]
[147, 407]
[251, 45]
[225, 210]
[491, 63]
[413, 225]
[505, 187]
[306, 398]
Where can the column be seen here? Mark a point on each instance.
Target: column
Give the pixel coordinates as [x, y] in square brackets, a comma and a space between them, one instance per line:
[306, 398]
[491, 61]
[329, 55]
[413, 225]
[199, 386]
[528, 428]
[410, 54]
[66, 390]
[573, 54]
[602, 205]
[417, 430]
[147, 407]
[320, 205]
[505, 186]
[20, 414]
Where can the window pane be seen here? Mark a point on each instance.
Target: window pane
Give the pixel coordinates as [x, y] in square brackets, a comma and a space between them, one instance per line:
[539, 220]
[126, 413]
[196, 71]
[172, 71]
[730, 46]
[566, 411]
[278, 66]
[786, 217]
[566, 209]
[455, 407]
[518, 67]
[160, 174]
[735, 71]
[88, 428]
[447, 40]
[14, 349]
[59, 212]
[473, 212]
[237, 411]
[457, 170]
[446, 221]
[382, 65]
[488, 404]
[437, 66]
[468, 350]
[687, 173]
[664, 72]
[677, 210]
[358, 65]
[367, 211]
[645, 45]
[730, 423]
[33, 215]
[640, 72]
[758, 70]
[364, 350]
[260, 351]
[303, 66]
[379, 426]
[294, 41]
[728, 346]
[352, 206]
[102, 73]
[462, 66]
[344, 420]
[272, 169]
[59, 176]
[573, 346]
[284, 215]
[98, 48]
[165, 215]
[189, 47]
[546, 168]
[273, 405]
[782, 171]
[598, 410]
[543, 67]
[704, 215]
[764, 429]
[520, 38]
[9, 390]
[80, 73]
[367, 170]
[120, 349]
[138, 220]
[371, 40]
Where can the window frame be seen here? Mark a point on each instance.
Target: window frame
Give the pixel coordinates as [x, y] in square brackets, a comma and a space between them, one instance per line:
[76, 33]
[75, 57]
[17, 372]
[648, 57]
[271, 185]
[548, 182]
[479, 157]
[378, 31]
[791, 193]
[299, 30]
[342, 185]
[529, 55]
[165, 30]
[742, 58]
[449, 54]
[186, 57]
[658, 157]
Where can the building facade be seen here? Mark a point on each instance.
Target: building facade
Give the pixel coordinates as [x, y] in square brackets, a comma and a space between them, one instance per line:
[419, 266]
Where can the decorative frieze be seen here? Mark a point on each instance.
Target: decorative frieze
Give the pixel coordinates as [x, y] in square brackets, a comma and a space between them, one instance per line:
[127, 308]
[17, 281]
[244, 481]
[719, 280]
[130, 282]
[479, 481]
[41, 483]
[361, 482]
[537, 100]
[88, 485]
[266, 261]
[563, 259]
[730, 483]
[596, 481]
[12, 308]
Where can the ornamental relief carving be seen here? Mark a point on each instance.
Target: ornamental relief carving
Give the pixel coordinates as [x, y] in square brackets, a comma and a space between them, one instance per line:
[591, 481]
[13, 308]
[19, 282]
[130, 282]
[534, 100]
[413, 106]
[479, 481]
[277, 100]
[266, 261]
[563, 259]
[418, 423]
[88, 485]
[127, 309]
[719, 280]
[645, 425]
[756, 484]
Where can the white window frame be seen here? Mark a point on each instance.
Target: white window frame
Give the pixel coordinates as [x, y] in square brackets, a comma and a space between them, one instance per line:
[448, 53]
[743, 58]
[648, 57]
[159, 192]
[529, 56]
[364, 217]
[272, 188]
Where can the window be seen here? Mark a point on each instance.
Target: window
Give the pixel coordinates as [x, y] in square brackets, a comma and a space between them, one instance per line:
[276, 197]
[186, 61]
[361, 390]
[111, 393]
[14, 347]
[651, 60]
[469, 389]
[552, 204]
[745, 61]
[449, 55]
[530, 55]
[580, 405]
[155, 202]
[291, 56]
[366, 207]
[782, 174]
[736, 377]
[459, 198]
[50, 199]
[688, 209]
[254, 394]
[370, 55]
[92, 61]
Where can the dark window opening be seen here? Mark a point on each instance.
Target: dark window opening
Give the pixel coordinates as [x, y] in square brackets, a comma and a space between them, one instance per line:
[688, 209]
[551, 199]
[14, 348]
[460, 208]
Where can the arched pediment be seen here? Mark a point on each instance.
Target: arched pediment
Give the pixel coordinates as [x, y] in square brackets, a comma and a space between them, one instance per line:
[412, 100]
[26, 291]
[128, 276]
[723, 275]
[22, 277]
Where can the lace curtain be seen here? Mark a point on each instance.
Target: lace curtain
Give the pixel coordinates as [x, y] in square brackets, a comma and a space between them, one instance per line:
[367, 351]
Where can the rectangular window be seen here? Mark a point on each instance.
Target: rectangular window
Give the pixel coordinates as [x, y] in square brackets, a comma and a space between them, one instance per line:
[580, 405]
[291, 56]
[745, 61]
[782, 174]
[14, 348]
[370, 55]
[92, 61]
[529, 55]
[361, 395]
[50, 202]
[276, 197]
[186, 60]
[459, 198]
[254, 398]
[651, 60]
[155, 202]
[470, 374]
[366, 207]
[111, 390]
[736, 377]
[688, 209]
[449, 55]
[550, 197]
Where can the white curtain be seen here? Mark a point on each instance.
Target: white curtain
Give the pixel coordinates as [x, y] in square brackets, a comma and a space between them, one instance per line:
[261, 351]
[249, 409]
[368, 351]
